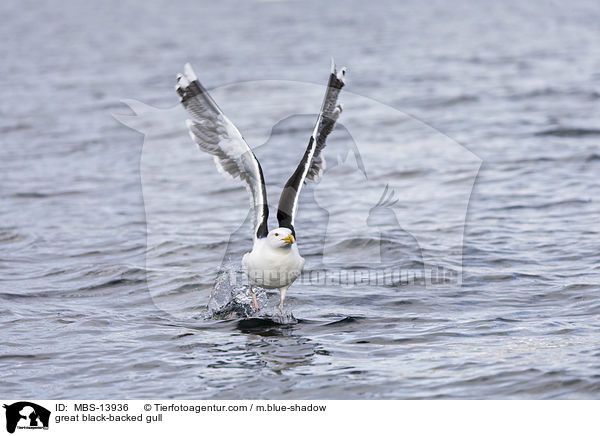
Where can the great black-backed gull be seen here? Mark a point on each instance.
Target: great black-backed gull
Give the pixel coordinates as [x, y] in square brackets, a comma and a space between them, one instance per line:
[274, 262]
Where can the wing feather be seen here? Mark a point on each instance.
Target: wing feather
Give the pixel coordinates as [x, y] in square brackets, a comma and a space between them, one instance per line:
[312, 165]
[217, 135]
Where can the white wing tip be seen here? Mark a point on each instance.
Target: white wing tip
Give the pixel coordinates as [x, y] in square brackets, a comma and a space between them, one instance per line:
[189, 72]
[338, 74]
[182, 82]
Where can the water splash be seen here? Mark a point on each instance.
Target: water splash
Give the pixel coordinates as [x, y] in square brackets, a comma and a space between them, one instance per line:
[230, 300]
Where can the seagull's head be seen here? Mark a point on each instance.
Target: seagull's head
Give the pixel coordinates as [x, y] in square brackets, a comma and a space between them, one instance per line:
[280, 238]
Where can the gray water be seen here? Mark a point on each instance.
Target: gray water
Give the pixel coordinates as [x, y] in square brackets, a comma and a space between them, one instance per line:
[109, 254]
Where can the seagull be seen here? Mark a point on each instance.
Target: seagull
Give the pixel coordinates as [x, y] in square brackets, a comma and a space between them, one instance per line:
[275, 261]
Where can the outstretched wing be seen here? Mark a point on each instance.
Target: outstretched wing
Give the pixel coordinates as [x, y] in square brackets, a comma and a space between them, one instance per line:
[313, 162]
[216, 134]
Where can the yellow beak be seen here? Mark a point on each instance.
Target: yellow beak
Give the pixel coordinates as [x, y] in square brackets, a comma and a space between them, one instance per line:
[289, 239]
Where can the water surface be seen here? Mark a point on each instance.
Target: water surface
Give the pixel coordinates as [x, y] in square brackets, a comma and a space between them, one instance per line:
[94, 305]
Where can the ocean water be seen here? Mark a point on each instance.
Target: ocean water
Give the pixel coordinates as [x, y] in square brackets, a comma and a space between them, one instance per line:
[120, 243]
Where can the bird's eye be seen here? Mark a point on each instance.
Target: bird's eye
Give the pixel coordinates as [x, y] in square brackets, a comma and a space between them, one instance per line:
[276, 234]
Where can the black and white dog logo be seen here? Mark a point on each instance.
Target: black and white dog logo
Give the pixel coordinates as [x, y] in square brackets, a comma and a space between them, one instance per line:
[26, 415]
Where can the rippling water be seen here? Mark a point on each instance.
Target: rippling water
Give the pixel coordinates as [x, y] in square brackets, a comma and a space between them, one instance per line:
[111, 241]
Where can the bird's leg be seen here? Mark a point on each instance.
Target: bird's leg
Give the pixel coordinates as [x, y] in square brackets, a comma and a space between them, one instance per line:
[254, 301]
[282, 291]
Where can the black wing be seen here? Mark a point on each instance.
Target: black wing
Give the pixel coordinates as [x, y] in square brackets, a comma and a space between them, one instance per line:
[313, 163]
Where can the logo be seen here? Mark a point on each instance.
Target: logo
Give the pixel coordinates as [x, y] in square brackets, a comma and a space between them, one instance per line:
[26, 415]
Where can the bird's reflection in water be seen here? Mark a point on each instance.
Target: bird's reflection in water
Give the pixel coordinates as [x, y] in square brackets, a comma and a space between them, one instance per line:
[276, 346]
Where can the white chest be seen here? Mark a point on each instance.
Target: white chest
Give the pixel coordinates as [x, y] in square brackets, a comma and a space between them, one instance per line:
[272, 268]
